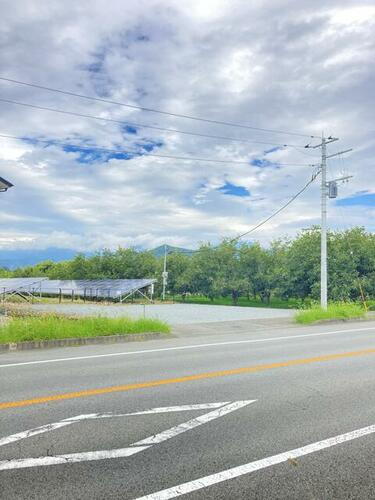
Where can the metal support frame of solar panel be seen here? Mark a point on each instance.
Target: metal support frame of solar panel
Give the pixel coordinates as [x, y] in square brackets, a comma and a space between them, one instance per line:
[114, 289]
[137, 286]
[24, 287]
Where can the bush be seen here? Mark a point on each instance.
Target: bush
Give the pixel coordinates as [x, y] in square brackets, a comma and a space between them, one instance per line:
[338, 310]
[51, 326]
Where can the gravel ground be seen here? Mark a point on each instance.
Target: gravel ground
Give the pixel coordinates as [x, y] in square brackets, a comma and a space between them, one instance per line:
[175, 314]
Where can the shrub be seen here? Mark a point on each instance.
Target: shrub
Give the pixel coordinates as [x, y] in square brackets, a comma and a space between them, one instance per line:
[335, 310]
[52, 326]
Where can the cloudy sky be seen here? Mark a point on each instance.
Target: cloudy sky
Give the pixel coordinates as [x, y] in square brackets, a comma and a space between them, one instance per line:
[299, 67]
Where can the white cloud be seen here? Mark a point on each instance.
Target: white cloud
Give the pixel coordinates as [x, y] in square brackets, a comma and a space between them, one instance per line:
[300, 66]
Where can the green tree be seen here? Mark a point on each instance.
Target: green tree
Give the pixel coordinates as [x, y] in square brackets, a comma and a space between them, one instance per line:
[203, 271]
[229, 278]
[177, 267]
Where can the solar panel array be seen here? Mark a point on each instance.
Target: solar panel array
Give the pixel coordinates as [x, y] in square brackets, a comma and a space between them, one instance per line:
[116, 288]
[95, 288]
[11, 285]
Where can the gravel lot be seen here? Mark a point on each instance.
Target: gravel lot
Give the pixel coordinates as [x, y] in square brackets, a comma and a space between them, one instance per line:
[175, 314]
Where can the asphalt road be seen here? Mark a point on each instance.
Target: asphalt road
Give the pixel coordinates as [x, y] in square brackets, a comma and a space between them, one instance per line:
[265, 413]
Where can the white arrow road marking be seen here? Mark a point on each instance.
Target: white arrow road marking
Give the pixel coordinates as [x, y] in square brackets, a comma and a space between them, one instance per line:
[68, 421]
[225, 475]
[221, 409]
[191, 424]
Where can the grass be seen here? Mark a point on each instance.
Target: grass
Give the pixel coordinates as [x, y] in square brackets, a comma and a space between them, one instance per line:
[338, 310]
[66, 299]
[50, 326]
[242, 302]
[78, 300]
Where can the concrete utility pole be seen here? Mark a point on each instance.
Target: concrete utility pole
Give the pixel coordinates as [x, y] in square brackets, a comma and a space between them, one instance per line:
[165, 274]
[323, 235]
[323, 231]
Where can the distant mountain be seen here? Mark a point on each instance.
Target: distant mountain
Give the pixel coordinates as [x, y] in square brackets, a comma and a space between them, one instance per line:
[12, 259]
[159, 251]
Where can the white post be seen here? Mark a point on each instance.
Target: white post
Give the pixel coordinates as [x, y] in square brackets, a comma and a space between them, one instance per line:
[323, 237]
[164, 271]
[323, 230]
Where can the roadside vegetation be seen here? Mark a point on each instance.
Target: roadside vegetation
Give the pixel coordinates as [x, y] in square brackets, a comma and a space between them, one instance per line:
[243, 273]
[341, 310]
[23, 326]
[242, 301]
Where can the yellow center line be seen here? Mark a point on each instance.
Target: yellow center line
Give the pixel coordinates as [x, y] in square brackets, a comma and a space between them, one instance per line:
[188, 378]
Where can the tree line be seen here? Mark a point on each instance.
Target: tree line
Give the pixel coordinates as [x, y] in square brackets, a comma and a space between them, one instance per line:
[288, 268]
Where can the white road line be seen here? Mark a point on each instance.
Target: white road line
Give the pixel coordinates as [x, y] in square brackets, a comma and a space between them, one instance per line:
[169, 409]
[121, 452]
[33, 432]
[163, 409]
[22, 463]
[191, 424]
[225, 475]
[181, 348]
[91, 416]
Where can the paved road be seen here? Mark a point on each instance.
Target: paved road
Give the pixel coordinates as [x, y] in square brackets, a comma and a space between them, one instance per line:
[247, 414]
[175, 314]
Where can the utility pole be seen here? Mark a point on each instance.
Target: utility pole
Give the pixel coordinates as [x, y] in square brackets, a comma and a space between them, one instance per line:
[323, 231]
[165, 274]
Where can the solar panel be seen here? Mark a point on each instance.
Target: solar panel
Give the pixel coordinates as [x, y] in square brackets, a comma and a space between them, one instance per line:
[109, 288]
[96, 288]
[10, 285]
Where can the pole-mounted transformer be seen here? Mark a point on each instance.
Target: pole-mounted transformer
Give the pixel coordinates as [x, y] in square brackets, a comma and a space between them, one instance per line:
[332, 189]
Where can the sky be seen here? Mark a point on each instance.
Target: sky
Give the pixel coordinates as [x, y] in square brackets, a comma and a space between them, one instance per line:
[305, 68]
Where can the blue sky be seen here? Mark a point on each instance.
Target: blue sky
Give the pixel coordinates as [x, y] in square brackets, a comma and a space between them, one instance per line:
[263, 162]
[233, 190]
[302, 67]
[361, 200]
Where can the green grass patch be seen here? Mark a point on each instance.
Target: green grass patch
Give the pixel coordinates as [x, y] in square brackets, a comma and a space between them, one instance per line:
[242, 302]
[50, 326]
[342, 310]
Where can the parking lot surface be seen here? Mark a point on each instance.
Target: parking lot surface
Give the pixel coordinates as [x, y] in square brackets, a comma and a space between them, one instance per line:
[172, 313]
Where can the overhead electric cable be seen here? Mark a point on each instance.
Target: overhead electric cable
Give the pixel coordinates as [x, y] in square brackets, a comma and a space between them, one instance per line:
[268, 218]
[277, 211]
[142, 125]
[140, 153]
[142, 108]
[304, 152]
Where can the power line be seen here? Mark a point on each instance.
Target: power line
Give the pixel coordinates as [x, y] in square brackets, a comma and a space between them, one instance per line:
[119, 151]
[141, 125]
[133, 106]
[304, 152]
[268, 218]
[279, 210]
